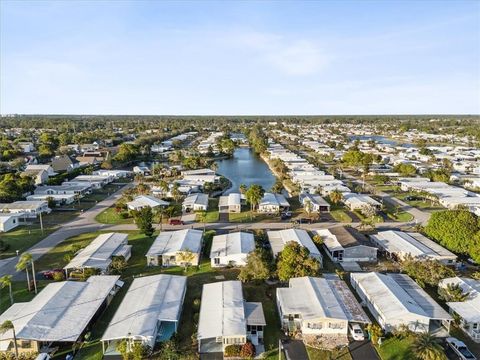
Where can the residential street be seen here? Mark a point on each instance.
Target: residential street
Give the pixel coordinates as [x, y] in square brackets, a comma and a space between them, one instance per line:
[84, 223]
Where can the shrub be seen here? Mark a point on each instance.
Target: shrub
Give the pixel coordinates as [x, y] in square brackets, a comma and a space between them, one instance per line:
[248, 350]
[58, 276]
[232, 350]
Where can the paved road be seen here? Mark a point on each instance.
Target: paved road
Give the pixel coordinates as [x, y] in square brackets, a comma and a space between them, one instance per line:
[84, 223]
[420, 216]
[362, 350]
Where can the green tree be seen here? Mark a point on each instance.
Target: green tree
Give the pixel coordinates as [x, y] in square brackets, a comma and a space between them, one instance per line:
[144, 220]
[426, 347]
[453, 293]
[5, 281]
[426, 272]
[118, 264]
[457, 230]
[186, 257]
[7, 325]
[335, 196]
[23, 263]
[295, 261]
[242, 188]
[405, 169]
[257, 266]
[254, 195]
[277, 186]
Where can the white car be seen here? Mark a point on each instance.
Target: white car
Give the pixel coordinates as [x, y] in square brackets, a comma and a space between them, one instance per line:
[460, 349]
[356, 332]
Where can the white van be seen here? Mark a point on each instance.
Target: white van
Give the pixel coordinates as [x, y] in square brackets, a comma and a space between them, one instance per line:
[356, 332]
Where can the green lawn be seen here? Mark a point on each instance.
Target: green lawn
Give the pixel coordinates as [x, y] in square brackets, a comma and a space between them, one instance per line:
[111, 216]
[317, 354]
[251, 216]
[23, 238]
[395, 349]
[341, 216]
[212, 212]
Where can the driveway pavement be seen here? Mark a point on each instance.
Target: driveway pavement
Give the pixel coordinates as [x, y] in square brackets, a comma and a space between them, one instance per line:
[295, 350]
[362, 350]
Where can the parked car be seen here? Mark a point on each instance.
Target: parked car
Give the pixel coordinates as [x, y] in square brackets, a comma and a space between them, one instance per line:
[286, 215]
[43, 356]
[356, 332]
[175, 222]
[412, 198]
[48, 274]
[460, 349]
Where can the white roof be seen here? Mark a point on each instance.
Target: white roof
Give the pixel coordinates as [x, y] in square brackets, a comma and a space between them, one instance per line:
[230, 200]
[231, 244]
[315, 199]
[273, 199]
[411, 243]
[354, 198]
[470, 308]
[196, 199]
[279, 238]
[170, 242]
[222, 312]
[24, 205]
[61, 311]
[397, 295]
[315, 298]
[149, 299]
[146, 200]
[98, 254]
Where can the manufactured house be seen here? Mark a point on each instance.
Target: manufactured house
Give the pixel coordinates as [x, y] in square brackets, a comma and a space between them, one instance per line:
[468, 311]
[28, 209]
[231, 203]
[61, 313]
[356, 201]
[279, 238]
[64, 163]
[227, 319]
[343, 244]
[195, 202]
[40, 176]
[100, 253]
[142, 201]
[172, 248]
[317, 203]
[64, 189]
[149, 313]
[8, 222]
[273, 203]
[231, 249]
[319, 306]
[395, 300]
[400, 245]
[47, 168]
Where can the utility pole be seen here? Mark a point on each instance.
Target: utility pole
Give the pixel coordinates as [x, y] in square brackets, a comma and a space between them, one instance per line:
[41, 222]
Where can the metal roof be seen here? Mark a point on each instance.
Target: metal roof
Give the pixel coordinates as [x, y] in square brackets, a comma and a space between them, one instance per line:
[170, 242]
[61, 311]
[396, 295]
[279, 238]
[314, 298]
[98, 254]
[470, 308]
[231, 244]
[410, 243]
[222, 311]
[149, 299]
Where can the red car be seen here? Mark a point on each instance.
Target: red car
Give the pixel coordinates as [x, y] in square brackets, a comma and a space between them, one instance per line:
[175, 222]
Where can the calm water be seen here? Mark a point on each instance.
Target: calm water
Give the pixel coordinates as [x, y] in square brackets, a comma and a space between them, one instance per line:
[379, 139]
[246, 168]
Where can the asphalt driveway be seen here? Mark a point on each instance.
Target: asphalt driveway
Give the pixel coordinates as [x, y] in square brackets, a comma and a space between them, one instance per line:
[362, 350]
[294, 350]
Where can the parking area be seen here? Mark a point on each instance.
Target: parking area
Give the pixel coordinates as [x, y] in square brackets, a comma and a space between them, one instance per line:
[362, 350]
[294, 350]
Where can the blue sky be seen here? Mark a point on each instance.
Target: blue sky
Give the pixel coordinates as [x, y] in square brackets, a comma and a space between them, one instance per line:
[180, 57]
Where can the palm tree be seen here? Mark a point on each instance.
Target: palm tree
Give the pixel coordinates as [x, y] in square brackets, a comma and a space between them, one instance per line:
[7, 281]
[6, 326]
[163, 185]
[426, 347]
[25, 260]
[308, 206]
[335, 196]
[242, 188]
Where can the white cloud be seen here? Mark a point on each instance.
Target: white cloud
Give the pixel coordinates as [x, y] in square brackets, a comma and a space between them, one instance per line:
[290, 56]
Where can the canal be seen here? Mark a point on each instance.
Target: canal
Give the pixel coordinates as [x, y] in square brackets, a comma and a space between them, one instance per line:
[245, 167]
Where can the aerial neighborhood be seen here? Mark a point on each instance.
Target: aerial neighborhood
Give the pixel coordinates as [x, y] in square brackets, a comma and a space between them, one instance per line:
[270, 236]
